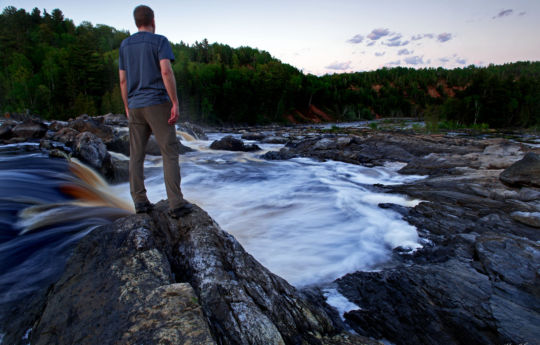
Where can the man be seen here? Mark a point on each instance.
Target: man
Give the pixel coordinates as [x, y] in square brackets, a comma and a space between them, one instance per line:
[148, 90]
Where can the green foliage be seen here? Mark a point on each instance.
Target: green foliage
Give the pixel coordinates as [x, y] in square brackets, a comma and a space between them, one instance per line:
[53, 68]
[373, 125]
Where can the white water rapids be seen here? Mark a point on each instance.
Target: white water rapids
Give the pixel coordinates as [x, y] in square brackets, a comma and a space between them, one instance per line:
[307, 221]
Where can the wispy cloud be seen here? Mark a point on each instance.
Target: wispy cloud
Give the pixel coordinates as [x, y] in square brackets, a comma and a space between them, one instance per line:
[339, 66]
[371, 43]
[404, 51]
[504, 13]
[356, 39]
[380, 53]
[397, 43]
[414, 60]
[522, 13]
[444, 37]
[376, 34]
[393, 63]
[444, 60]
[461, 61]
[395, 38]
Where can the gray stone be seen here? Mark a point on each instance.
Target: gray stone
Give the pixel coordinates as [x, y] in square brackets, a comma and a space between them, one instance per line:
[230, 143]
[525, 172]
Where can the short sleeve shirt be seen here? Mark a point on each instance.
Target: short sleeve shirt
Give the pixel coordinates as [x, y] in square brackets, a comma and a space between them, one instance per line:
[139, 57]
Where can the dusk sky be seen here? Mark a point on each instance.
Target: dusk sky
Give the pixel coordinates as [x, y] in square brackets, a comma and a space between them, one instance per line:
[341, 35]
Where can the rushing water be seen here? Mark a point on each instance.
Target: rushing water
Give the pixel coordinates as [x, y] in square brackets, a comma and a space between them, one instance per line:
[307, 221]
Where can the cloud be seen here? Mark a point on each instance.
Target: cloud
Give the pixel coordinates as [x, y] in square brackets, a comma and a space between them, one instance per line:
[356, 39]
[444, 59]
[414, 60]
[379, 53]
[461, 61]
[504, 13]
[378, 33]
[404, 51]
[445, 36]
[522, 13]
[395, 38]
[339, 66]
[371, 43]
[393, 63]
[396, 43]
[417, 37]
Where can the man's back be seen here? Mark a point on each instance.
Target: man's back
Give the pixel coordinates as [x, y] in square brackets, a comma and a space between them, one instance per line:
[139, 57]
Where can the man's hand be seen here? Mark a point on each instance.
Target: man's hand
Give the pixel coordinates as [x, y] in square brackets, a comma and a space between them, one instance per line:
[174, 115]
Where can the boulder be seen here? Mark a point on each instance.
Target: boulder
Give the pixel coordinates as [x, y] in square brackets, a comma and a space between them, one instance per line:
[114, 120]
[91, 149]
[149, 279]
[55, 126]
[85, 123]
[29, 130]
[197, 132]
[525, 172]
[66, 135]
[119, 143]
[229, 143]
[253, 136]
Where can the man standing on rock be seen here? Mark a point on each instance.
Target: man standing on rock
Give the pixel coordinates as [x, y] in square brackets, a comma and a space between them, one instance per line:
[148, 90]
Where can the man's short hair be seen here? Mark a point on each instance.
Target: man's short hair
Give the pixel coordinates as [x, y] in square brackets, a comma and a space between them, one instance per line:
[143, 16]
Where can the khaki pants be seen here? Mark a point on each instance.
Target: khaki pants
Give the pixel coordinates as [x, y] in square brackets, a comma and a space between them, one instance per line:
[143, 122]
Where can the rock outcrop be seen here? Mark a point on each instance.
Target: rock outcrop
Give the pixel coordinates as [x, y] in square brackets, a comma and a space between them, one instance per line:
[149, 279]
[525, 172]
[230, 143]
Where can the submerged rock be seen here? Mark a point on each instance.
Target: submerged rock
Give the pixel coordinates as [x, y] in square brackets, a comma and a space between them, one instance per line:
[229, 143]
[149, 279]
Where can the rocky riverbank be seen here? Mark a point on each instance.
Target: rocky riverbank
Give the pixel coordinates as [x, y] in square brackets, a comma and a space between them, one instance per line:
[477, 281]
[150, 279]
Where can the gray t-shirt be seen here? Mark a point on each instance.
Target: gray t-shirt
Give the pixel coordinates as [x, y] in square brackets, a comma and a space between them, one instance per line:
[140, 54]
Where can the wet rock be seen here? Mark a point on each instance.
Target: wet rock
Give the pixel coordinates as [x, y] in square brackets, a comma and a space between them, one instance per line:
[282, 154]
[529, 218]
[66, 135]
[149, 279]
[197, 132]
[85, 123]
[275, 140]
[525, 172]
[119, 143]
[114, 120]
[29, 130]
[6, 130]
[253, 136]
[229, 143]
[55, 126]
[120, 170]
[91, 149]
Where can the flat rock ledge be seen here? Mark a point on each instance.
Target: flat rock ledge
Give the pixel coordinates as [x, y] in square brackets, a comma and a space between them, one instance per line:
[150, 279]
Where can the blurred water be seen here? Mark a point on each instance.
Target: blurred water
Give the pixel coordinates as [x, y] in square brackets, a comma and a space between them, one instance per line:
[307, 221]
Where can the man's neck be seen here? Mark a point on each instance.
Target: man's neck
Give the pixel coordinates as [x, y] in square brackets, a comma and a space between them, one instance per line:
[149, 29]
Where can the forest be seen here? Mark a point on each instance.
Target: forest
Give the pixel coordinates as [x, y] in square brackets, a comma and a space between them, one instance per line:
[57, 70]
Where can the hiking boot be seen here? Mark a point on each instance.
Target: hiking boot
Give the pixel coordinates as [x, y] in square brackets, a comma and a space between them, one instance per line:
[181, 211]
[143, 207]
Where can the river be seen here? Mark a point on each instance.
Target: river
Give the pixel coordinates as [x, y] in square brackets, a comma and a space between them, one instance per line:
[307, 221]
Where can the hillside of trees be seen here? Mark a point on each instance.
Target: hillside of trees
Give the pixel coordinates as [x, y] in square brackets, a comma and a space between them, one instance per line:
[50, 67]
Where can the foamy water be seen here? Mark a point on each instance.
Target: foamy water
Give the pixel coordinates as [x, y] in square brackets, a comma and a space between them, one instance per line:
[307, 221]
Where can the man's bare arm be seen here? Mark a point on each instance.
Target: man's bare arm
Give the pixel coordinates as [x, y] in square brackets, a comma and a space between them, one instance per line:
[170, 84]
[123, 90]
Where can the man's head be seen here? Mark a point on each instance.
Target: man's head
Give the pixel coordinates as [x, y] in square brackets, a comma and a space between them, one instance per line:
[144, 16]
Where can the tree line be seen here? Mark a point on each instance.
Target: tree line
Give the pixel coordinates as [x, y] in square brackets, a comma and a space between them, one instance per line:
[50, 67]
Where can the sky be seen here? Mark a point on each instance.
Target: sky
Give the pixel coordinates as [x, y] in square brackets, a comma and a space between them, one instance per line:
[325, 37]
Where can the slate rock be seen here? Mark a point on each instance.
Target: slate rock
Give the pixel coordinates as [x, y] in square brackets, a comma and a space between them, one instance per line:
[525, 172]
